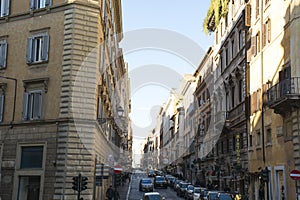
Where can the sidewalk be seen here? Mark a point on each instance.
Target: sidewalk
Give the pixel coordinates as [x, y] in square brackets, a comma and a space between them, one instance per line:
[123, 190]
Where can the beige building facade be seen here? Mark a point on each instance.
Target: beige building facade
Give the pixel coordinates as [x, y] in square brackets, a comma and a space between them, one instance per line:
[60, 96]
[274, 88]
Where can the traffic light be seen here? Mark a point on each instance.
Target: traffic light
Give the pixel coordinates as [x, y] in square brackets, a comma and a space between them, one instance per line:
[83, 183]
[75, 183]
[265, 175]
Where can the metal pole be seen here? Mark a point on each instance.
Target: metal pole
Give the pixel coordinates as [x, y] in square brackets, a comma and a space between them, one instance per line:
[79, 186]
[94, 186]
[296, 189]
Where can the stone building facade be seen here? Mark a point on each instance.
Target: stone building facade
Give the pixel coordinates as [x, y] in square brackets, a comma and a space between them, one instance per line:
[60, 90]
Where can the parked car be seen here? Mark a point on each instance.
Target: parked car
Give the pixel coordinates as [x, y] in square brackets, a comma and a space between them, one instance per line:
[203, 193]
[152, 196]
[176, 184]
[158, 173]
[151, 173]
[196, 193]
[224, 196]
[160, 181]
[146, 184]
[212, 195]
[182, 188]
[189, 192]
[171, 179]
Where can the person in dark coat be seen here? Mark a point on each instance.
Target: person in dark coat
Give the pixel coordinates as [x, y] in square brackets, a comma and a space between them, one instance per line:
[110, 193]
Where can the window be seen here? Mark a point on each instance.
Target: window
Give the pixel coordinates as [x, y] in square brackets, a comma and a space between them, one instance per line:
[240, 91]
[31, 157]
[29, 187]
[241, 141]
[226, 57]
[233, 96]
[228, 146]
[37, 4]
[227, 101]
[222, 147]
[3, 53]
[1, 106]
[221, 62]
[30, 171]
[233, 143]
[241, 38]
[232, 48]
[250, 140]
[4, 7]
[32, 105]
[257, 41]
[268, 29]
[258, 138]
[257, 9]
[37, 48]
[269, 135]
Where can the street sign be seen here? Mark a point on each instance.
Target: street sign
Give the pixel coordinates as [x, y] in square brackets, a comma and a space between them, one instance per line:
[295, 175]
[118, 169]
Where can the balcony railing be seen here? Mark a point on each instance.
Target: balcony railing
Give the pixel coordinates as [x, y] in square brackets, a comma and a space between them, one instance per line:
[284, 94]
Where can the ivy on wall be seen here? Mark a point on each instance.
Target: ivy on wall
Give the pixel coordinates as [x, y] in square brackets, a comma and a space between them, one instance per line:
[217, 10]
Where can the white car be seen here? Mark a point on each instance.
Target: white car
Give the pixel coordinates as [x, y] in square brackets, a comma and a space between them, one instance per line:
[152, 196]
[196, 194]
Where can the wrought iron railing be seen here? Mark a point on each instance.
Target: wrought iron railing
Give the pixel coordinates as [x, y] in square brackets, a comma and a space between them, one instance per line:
[284, 88]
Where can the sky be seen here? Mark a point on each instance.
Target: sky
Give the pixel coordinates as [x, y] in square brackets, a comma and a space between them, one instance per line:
[163, 39]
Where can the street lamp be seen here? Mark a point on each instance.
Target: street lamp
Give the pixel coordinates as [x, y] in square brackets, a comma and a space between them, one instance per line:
[120, 112]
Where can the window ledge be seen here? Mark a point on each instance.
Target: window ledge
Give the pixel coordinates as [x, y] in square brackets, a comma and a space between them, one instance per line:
[258, 148]
[269, 145]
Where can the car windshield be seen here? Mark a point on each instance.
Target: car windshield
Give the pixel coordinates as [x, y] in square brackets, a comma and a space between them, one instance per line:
[160, 178]
[197, 191]
[190, 187]
[213, 196]
[153, 197]
[184, 185]
[225, 197]
[146, 181]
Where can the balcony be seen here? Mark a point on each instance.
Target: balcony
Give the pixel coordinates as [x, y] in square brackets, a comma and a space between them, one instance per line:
[237, 114]
[220, 118]
[284, 96]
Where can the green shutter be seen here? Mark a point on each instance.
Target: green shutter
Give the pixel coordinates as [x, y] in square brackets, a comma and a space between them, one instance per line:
[25, 106]
[29, 50]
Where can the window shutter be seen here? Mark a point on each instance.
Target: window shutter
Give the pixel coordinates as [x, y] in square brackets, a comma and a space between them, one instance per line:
[3, 56]
[269, 31]
[264, 35]
[37, 105]
[25, 106]
[29, 50]
[48, 3]
[6, 5]
[45, 47]
[1, 107]
[32, 4]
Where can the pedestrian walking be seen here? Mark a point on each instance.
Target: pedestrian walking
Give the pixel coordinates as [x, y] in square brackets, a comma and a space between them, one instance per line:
[261, 193]
[110, 193]
[117, 195]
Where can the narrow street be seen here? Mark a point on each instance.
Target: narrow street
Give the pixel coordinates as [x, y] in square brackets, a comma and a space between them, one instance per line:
[135, 194]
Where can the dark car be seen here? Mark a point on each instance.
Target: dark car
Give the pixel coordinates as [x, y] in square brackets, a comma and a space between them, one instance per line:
[224, 196]
[203, 193]
[146, 184]
[171, 180]
[151, 173]
[189, 192]
[176, 184]
[160, 182]
[212, 195]
[182, 188]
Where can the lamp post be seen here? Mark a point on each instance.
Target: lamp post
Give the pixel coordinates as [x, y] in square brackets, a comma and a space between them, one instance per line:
[15, 94]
